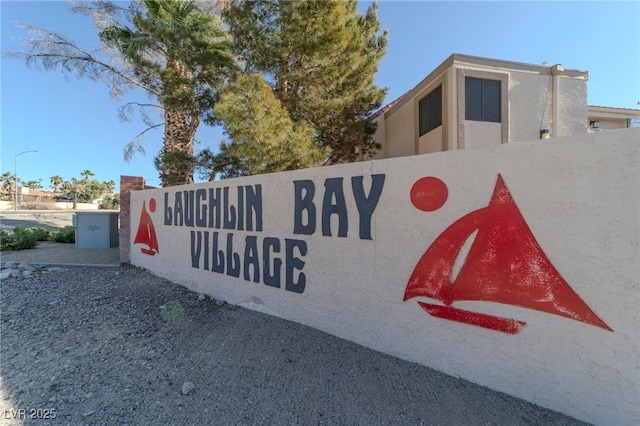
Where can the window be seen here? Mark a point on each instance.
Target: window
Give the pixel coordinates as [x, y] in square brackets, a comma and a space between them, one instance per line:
[482, 100]
[430, 111]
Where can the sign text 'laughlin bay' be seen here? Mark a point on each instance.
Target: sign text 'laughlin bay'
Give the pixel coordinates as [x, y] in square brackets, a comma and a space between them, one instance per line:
[264, 258]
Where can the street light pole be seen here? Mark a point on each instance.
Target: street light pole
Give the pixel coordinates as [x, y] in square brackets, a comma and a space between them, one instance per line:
[15, 176]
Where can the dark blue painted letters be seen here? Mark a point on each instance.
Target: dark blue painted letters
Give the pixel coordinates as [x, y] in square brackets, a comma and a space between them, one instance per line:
[366, 205]
[304, 203]
[333, 189]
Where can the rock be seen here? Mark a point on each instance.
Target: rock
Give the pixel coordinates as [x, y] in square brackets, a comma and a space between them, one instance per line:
[25, 270]
[187, 387]
[201, 297]
[26, 266]
[220, 302]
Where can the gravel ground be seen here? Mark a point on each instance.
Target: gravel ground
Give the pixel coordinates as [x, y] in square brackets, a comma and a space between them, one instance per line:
[106, 346]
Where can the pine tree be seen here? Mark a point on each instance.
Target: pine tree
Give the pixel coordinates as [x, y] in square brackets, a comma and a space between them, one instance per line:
[271, 142]
[320, 58]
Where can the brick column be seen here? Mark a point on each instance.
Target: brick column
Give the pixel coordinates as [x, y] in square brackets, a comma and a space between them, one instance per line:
[127, 184]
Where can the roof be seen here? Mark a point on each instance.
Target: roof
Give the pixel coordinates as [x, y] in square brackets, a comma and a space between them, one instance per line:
[385, 108]
[631, 110]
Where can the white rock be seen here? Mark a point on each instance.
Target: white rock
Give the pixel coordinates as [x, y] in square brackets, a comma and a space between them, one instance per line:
[187, 387]
[26, 266]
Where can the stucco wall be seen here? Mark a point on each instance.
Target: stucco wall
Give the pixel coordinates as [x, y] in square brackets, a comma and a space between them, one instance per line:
[400, 131]
[481, 134]
[431, 142]
[541, 236]
[531, 105]
[573, 106]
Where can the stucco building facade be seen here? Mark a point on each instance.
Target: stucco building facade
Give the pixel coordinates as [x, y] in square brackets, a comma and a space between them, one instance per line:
[470, 102]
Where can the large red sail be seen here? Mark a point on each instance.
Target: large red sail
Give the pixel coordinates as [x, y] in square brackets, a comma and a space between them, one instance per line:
[146, 233]
[505, 264]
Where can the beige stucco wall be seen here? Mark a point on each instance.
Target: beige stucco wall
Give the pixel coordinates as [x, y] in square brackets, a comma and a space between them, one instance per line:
[431, 142]
[573, 106]
[611, 124]
[530, 105]
[480, 134]
[400, 131]
[579, 197]
[531, 95]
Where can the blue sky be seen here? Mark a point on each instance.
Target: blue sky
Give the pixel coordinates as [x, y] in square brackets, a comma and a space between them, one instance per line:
[74, 124]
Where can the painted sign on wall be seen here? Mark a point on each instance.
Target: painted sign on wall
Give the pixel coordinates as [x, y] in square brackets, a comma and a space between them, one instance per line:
[497, 265]
[505, 264]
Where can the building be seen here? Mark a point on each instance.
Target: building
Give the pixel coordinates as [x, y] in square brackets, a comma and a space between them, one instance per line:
[470, 102]
[607, 118]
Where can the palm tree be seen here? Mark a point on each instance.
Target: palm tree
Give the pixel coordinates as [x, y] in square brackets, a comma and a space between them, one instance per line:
[8, 182]
[56, 183]
[86, 174]
[179, 52]
[108, 186]
[75, 188]
[173, 49]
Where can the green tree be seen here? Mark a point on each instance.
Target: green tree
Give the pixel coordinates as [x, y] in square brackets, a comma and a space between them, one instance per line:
[86, 174]
[33, 184]
[74, 188]
[272, 142]
[93, 190]
[111, 202]
[56, 182]
[109, 186]
[174, 50]
[320, 58]
[8, 182]
[85, 190]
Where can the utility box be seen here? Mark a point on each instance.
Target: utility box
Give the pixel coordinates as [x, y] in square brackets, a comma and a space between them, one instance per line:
[96, 230]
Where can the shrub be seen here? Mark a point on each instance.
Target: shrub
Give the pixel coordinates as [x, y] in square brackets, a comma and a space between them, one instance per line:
[44, 204]
[19, 239]
[26, 238]
[41, 234]
[110, 203]
[65, 235]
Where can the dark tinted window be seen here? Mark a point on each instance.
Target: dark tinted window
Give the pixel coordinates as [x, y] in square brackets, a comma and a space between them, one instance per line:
[430, 111]
[482, 100]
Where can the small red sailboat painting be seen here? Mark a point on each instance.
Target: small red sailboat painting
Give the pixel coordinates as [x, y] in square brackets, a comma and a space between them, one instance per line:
[504, 264]
[146, 232]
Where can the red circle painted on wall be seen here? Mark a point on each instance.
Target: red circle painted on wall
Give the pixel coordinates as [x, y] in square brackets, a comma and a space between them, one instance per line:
[152, 205]
[429, 194]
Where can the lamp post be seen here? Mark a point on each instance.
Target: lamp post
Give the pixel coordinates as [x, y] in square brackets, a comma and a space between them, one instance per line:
[15, 166]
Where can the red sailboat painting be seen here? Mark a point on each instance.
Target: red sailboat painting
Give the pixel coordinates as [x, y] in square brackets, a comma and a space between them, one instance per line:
[146, 233]
[505, 264]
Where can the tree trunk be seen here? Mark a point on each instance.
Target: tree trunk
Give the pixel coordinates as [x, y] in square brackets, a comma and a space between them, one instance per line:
[179, 133]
